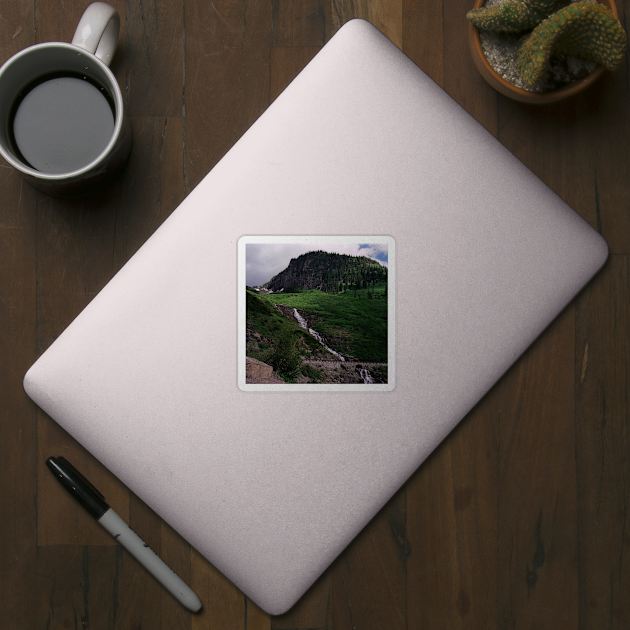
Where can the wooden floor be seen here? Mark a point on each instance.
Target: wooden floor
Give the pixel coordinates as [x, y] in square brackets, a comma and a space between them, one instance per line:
[518, 520]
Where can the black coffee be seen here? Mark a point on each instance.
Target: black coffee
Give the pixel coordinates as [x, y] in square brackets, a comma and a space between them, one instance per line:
[62, 123]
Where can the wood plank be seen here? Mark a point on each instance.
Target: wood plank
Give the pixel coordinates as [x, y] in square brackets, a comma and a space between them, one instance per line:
[603, 443]
[300, 23]
[312, 611]
[18, 416]
[140, 600]
[564, 147]
[74, 257]
[256, 618]
[452, 527]
[17, 28]
[76, 587]
[18, 420]
[171, 159]
[154, 58]
[369, 588]
[575, 147]
[224, 606]
[152, 185]
[461, 78]
[537, 537]
[608, 126]
[57, 22]
[557, 149]
[386, 15]
[226, 78]
[285, 64]
[423, 36]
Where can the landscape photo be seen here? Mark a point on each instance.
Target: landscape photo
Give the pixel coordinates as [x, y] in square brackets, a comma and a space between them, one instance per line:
[317, 312]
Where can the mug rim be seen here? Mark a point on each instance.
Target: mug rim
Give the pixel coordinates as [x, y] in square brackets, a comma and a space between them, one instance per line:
[118, 122]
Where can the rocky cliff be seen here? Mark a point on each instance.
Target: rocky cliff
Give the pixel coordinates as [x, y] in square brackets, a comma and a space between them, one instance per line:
[324, 271]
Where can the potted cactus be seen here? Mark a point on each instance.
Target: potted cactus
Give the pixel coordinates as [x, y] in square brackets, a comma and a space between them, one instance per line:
[557, 49]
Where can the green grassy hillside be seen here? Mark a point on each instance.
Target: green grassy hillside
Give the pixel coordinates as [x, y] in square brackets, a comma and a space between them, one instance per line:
[354, 325]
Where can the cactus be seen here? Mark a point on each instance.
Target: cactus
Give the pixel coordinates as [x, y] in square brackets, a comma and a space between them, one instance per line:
[583, 29]
[513, 16]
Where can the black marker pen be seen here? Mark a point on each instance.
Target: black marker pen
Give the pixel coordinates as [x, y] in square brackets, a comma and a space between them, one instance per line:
[94, 502]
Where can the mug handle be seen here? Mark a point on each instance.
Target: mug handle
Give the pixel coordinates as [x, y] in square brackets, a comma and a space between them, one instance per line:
[98, 30]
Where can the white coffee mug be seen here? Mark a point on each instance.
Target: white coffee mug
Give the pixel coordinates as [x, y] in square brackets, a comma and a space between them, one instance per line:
[62, 114]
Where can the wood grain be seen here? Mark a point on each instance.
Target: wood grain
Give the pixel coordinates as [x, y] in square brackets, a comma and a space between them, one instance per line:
[285, 64]
[452, 526]
[18, 416]
[609, 135]
[313, 609]
[576, 148]
[422, 36]
[537, 537]
[224, 606]
[76, 587]
[369, 577]
[518, 520]
[386, 15]
[602, 381]
[152, 185]
[300, 23]
[18, 324]
[461, 79]
[226, 78]
[154, 57]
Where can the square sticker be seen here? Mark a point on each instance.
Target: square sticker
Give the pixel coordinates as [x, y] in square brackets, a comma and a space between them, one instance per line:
[316, 313]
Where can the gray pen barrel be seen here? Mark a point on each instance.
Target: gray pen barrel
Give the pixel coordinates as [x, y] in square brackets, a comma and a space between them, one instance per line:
[149, 559]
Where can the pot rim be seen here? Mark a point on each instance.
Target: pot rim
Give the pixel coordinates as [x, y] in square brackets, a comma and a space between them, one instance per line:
[512, 91]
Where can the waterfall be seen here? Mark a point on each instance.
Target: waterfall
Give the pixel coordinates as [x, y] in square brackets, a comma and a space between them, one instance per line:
[366, 376]
[302, 322]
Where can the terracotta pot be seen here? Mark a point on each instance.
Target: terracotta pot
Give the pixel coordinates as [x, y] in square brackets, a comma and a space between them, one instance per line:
[512, 91]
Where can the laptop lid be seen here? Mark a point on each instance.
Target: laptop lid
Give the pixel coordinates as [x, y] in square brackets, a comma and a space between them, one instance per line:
[362, 156]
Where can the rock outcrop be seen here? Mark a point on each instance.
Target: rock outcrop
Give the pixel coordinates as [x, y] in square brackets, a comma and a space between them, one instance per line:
[260, 373]
[257, 369]
[323, 271]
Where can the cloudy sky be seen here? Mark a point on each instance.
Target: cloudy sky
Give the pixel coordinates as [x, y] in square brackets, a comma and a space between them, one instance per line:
[264, 260]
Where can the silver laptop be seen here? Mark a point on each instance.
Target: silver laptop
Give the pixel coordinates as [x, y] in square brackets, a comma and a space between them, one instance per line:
[453, 250]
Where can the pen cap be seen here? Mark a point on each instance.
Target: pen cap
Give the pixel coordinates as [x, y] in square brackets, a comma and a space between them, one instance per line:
[78, 486]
